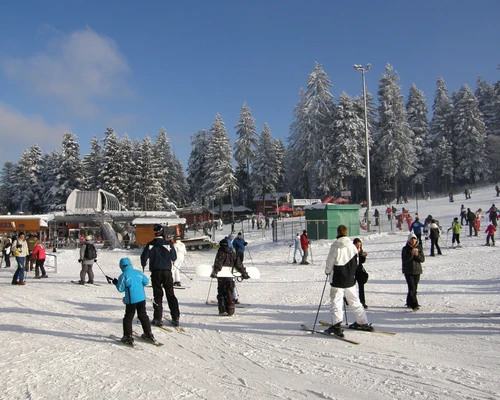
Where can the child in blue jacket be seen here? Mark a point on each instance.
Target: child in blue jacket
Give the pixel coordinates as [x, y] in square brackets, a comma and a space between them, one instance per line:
[132, 282]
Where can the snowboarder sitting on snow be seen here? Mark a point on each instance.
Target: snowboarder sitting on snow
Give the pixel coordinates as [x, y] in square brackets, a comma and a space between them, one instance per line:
[132, 282]
[341, 266]
[226, 257]
[490, 230]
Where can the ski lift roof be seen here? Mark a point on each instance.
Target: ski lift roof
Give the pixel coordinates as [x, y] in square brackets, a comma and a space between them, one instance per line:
[158, 220]
[91, 201]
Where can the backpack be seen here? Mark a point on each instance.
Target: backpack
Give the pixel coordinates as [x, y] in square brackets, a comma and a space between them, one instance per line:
[90, 252]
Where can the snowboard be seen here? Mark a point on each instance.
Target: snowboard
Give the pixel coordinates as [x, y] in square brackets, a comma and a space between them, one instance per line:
[204, 270]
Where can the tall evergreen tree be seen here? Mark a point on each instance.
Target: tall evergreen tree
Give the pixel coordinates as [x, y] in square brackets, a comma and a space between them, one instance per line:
[417, 109]
[471, 135]
[244, 151]
[71, 168]
[151, 176]
[196, 166]
[8, 187]
[127, 162]
[111, 178]
[266, 168]
[92, 166]
[394, 150]
[49, 181]
[219, 173]
[488, 100]
[442, 163]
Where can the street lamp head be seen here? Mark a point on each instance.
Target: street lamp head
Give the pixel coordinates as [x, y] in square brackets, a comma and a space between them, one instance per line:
[368, 66]
[358, 67]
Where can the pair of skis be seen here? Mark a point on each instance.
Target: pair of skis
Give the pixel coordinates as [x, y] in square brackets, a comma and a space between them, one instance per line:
[326, 324]
[135, 345]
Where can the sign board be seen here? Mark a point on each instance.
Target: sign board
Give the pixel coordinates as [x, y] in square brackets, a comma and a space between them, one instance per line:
[345, 193]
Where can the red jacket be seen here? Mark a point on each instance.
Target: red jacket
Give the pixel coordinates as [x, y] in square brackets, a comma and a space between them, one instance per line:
[304, 243]
[490, 230]
[39, 252]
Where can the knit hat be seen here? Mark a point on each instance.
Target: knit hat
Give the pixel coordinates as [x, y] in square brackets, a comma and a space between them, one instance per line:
[411, 236]
[125, 262]
[88, 238]
[158, 230]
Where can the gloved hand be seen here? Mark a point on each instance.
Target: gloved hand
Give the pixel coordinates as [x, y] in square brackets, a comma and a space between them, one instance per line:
[95, 260]
[109, 279]
[115, 281]
[245, 276]
[79, 260]
[213, 275]
[246, 244]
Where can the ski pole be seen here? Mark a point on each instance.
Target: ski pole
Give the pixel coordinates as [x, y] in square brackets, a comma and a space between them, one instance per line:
[102, 272]
[250, 256]
[320, 302]
[184, 263]
[210, 288]
[311, 251]
[288, 258]
[345, 311]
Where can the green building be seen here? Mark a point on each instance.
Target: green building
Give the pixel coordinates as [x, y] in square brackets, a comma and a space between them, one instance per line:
[323, 219]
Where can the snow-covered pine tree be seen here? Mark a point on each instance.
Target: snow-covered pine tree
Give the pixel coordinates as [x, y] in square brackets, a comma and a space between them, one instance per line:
[111, 176]
[127, 162]
[196, 166]
[394, 150]
[441, 161]
[26, 188]
[280, 159]
[266, 168]
[470, 134]
[71, 168]
[151, 176]
[136, 198]
[442, 117]
[180, 188]
[166, 163]
[48, 180]
[417, 109]
[219, 173]
[244, 152]
[488, 101]
[343, 157]
[7, 187]
[92, 166]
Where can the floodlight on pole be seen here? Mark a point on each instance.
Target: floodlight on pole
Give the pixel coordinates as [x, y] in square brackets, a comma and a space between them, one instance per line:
[367, 149]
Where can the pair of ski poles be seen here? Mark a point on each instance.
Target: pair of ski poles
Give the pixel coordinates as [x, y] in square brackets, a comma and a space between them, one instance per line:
[321, 302]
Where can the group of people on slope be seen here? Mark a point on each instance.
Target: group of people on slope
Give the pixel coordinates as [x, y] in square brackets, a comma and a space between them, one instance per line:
[301, 247]
[29, 255]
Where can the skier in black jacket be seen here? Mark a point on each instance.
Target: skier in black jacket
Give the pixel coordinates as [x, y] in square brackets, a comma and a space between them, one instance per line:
[161, 253]
[412, 257]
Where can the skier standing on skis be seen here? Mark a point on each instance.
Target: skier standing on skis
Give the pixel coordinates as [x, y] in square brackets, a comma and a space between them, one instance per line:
[304, 244]
[416, 227]
[226, 257]
[239, 246]
[161, 253]
[341, 266]
[455, 230]
[132, 282]
[490, 231]
[297, 248]
[180, 250]
[412, 257]
[88, 256]
[361, 274]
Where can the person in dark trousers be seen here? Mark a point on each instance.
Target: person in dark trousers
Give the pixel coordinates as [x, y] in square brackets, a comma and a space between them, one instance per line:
[304, 244]
[39, 256]
[490, 231]
[412, 257]
[493, 215]
[463, 215]
[160, 254]
[132, 282]
[7, 249]
[88, 256]
[434, 236]
[341, 265]
[361, 274]
[226, 257]
[416, 227]
[239, 246]
[376, 215]
[455, 230]
[471, 219]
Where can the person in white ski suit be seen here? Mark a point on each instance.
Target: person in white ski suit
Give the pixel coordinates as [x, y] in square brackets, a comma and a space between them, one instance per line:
[297, 248]
[341, 265]
[180, 249]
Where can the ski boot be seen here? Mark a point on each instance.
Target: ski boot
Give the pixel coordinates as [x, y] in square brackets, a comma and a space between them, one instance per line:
[335, 330]
[362, 327]
[128, 339]
[149, 337]
[157, 322]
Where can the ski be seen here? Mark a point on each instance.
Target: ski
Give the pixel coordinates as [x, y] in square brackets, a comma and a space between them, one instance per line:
[160, 327]
[181, 287]
[492, 315]
[154, 343]
[375, 331]
[77, 283]
[178, 328]
[305, 328]
[240, 305]
[119, 340]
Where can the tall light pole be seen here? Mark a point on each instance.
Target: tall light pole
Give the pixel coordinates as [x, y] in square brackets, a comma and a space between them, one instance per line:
[367, 153]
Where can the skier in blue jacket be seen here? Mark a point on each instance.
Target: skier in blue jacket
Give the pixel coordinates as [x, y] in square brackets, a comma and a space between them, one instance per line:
[132, 282]
[239, 246]
[416, 228]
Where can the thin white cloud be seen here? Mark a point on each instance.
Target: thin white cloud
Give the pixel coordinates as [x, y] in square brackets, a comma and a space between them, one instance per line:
[78, 69]
[19, 132]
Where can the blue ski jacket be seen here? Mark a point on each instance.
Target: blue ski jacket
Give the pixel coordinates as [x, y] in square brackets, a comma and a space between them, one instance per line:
[132, 282]
[416, 227]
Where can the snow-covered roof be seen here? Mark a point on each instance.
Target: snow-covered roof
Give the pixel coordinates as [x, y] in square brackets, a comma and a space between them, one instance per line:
[158, 220]
[86, 202]
[270, 197]
[228, 208]
[305, 202]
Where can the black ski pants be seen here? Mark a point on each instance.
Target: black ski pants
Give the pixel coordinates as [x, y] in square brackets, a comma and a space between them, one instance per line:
[472, 225]
[225, 298]
[411, 297]
[455, 238]
[130, 310]
[161, 279]
[434, 242]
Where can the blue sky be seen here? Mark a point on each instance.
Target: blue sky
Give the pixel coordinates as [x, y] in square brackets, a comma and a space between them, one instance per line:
[82, 66]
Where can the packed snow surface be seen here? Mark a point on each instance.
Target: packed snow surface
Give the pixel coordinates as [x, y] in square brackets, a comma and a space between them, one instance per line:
[54, 335]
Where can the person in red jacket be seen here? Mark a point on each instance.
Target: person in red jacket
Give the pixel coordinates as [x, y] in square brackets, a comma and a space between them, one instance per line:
[304, 244]
[490, 230]
[39, 257]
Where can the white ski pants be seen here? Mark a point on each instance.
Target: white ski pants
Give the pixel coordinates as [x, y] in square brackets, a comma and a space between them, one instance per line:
[337, 301]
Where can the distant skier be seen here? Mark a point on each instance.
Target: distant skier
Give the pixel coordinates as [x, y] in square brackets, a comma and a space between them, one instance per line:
[297, 248]
[490, 231]
[180, 250]
[88, 256]
[434, 236]
[455, 230]
[416, 227]
[304, 244]
[361, 275]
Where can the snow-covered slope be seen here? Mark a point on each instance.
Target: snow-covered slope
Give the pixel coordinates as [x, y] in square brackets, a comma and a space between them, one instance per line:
[54, 335]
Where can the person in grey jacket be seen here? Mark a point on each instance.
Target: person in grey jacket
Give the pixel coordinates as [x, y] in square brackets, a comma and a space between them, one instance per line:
[88, 256]
[412, 257]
